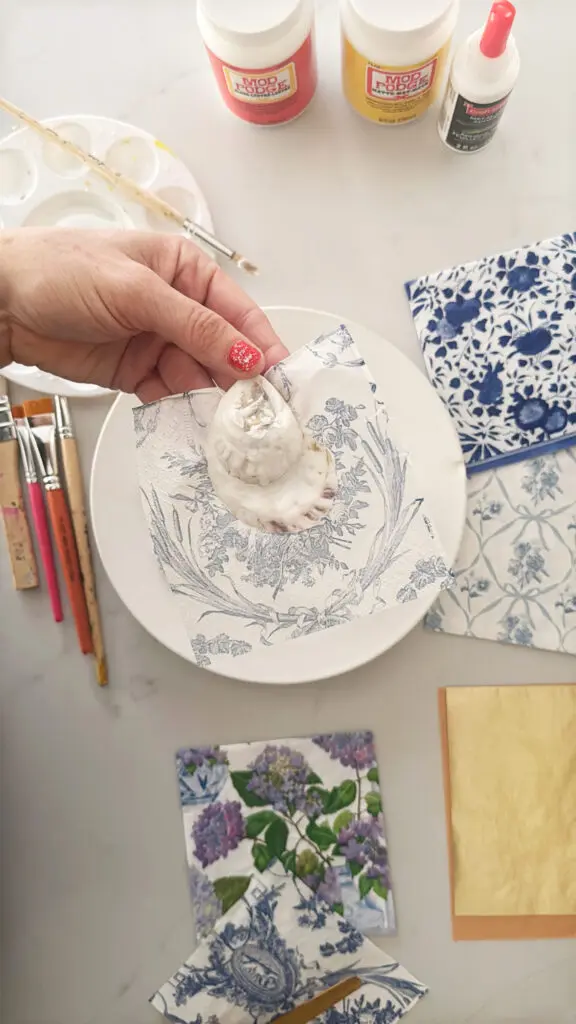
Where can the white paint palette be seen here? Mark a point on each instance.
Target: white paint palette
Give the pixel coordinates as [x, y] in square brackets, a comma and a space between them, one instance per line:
[44, 186]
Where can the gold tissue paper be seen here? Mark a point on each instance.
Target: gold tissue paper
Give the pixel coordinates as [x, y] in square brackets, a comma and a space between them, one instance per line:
[510, 781]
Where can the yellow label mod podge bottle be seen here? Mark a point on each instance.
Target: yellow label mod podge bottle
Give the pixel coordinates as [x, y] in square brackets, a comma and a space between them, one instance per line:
[393, 55]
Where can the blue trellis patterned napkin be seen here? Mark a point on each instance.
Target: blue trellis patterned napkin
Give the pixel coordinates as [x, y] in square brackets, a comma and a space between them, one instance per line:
[516, 570]
[240, 589]
[309, 810]
[499, 341]
[277, 948]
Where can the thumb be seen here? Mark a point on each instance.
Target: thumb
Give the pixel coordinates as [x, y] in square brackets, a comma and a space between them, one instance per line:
[198, 331]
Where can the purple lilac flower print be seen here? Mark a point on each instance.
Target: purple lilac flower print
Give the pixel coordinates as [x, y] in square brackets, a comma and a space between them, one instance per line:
[280, 776]
[361, 844]
[198, 757]
[217, 831]
[329, 890]
[352, 749]
[207, 906]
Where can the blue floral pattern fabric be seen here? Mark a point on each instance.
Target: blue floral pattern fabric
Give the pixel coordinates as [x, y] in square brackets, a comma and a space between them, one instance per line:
[499, 342]
[309, 810]
[238, 588]
[275, 950]
[516, 570]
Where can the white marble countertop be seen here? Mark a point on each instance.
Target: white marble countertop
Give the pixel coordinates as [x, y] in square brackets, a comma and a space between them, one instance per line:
[338, 213]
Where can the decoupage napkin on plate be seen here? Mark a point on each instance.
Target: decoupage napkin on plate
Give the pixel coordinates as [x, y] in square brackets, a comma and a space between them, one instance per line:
[275, 949]
[499, 341]
[516, 569]
[510, 788]
[238, 588]
[308, 810]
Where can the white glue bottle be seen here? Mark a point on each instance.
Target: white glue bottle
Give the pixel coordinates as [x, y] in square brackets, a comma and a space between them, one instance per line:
[482, 76]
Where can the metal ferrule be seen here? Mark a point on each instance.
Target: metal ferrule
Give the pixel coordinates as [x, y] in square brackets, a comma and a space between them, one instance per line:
[195, 231]
[7, 425]
[44, 451]
[63, 418]
[26, 456]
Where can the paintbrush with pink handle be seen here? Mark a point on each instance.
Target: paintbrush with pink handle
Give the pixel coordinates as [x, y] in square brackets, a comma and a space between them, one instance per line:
[38, 508]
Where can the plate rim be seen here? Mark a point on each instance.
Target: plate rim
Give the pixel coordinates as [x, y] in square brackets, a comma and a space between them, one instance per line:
[216, 670]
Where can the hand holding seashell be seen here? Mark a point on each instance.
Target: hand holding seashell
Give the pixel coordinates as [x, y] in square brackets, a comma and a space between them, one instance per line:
[267, 471]
[140, 312]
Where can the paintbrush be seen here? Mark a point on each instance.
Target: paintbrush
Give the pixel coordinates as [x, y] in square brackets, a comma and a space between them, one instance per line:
[40, 416]
[22, 557]
[320, 1003]
[75, 490]
[38, 510]
[130, 189]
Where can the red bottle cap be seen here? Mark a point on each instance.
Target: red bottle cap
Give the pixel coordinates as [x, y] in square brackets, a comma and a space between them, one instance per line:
[497, 30]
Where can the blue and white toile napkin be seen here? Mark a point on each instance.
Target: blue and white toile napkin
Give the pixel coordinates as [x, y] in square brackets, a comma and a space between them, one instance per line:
[516, 570]
[309, 810]
[238, 588]
[499, 341]
[277, 948]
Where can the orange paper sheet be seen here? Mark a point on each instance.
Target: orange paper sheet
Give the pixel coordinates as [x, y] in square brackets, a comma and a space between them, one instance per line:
[510, 782]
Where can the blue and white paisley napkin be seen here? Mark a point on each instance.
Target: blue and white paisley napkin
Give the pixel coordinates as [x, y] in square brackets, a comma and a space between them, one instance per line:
[499, 342]
[238, 588]
[277, 948]
[309, 810]
[516, 570]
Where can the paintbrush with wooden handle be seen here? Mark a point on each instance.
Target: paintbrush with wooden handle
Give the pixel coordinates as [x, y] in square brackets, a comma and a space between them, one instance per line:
[18, 537]
[75, 490]
[130, 189]
[320, 1003]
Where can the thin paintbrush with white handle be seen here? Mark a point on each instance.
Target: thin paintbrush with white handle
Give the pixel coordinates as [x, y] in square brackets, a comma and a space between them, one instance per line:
[130, 189]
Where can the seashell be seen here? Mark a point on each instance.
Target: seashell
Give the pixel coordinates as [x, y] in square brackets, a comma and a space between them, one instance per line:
[267, 471]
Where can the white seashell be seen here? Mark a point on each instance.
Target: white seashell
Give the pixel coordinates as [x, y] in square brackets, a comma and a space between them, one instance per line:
[263, 467]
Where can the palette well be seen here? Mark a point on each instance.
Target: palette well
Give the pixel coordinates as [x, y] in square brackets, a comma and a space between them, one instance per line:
[43, 186]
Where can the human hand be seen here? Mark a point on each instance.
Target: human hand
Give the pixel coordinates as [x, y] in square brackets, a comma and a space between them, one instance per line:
[138, 312]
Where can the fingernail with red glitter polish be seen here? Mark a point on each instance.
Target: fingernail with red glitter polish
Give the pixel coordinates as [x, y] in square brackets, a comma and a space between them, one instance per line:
[243, 356]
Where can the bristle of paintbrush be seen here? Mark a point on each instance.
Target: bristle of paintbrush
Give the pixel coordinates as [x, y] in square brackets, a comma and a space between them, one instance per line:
[243, 264]
[38, 407]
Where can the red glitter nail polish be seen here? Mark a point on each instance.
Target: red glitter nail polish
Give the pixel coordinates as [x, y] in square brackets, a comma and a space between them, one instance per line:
[243, 356]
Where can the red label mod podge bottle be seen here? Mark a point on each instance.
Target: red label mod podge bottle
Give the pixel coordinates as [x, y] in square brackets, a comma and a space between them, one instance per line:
[262, 54]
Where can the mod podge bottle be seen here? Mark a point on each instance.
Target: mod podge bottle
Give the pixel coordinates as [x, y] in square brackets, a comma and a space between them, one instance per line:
[393, 55]
[262, 54]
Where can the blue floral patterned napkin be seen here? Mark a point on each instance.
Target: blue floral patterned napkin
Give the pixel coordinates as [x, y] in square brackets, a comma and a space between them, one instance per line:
[499, 342]
[308, 810]
[239, 589]
[277, 948]
[516, 570]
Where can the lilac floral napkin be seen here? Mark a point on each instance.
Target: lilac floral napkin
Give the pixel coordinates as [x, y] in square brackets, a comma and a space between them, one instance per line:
[516, 569]
[275, 949]
[499, 341]
[306, 810]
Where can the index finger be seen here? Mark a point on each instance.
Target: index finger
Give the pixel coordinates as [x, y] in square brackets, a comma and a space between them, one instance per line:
[187, 268]
[222, 295]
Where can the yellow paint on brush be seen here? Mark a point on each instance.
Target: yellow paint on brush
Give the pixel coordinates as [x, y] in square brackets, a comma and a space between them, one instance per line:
[162, 145]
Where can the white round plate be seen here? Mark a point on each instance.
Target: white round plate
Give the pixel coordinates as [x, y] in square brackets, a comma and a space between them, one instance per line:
[126, 549]
[40, 185]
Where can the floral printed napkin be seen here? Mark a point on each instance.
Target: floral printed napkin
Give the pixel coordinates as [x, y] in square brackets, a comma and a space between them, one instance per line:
[499, 342]
[277, 948]
[516, 571]
[306, 809]
[238, 588]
